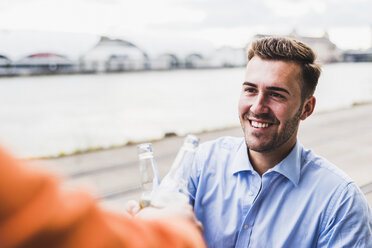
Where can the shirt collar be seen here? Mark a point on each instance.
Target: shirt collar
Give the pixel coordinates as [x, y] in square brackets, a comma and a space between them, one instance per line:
[241, 161]
[290, 166]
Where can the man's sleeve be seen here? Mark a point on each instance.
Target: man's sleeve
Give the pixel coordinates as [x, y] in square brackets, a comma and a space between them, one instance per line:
[349, 221]
[35, 212]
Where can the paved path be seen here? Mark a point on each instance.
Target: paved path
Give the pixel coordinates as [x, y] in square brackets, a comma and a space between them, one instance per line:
[344, 137]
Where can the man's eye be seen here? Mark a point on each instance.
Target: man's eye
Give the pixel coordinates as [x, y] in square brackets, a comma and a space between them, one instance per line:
[277, 95]
[250, 90]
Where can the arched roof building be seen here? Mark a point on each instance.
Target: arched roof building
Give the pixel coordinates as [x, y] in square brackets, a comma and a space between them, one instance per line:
[45, 62]
[114, 55]
[195, 60]
[44, 59]
[4, 60]
[165, 61]
[5, 64]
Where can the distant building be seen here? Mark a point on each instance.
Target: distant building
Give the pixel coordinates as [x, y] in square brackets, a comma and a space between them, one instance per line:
[195, 60]
[228, 57]
[4, 61]
[40, 63]
[358, 55]
[111, 55]
[326, 50]
[222, 57]
[370, 31]
[5, 64]
[165, 61]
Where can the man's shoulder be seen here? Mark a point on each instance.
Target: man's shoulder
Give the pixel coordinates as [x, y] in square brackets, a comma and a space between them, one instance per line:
[319, 167]
[219, 152]
[224, 142]
[344, 207]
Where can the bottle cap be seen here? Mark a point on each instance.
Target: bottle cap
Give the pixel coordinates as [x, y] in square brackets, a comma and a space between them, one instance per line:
[191, 142]
[145, 151]
[145, 147]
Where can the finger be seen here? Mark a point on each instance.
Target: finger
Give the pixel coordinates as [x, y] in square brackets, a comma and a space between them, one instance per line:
[132, 207]
[200, 226]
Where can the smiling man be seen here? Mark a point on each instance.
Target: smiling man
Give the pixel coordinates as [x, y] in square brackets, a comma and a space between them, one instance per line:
[266, 189]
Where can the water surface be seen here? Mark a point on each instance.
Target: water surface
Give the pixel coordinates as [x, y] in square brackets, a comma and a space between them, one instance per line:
[49, 115]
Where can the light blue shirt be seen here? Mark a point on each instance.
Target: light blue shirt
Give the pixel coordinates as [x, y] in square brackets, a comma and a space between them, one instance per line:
[304, 201]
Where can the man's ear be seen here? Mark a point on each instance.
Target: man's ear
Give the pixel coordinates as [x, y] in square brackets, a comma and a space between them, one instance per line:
[308, 108]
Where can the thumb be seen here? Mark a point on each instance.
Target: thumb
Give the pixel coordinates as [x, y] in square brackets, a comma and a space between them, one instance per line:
[132, 207]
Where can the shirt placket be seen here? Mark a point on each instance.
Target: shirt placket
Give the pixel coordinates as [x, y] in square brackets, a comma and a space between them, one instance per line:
[251, 192]
[254, 194]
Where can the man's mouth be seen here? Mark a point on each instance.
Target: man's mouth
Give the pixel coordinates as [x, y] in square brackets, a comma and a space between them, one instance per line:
[257, 124]
[260, 121]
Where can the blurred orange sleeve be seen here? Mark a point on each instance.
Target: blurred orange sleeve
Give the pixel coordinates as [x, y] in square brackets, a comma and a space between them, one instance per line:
[35, 212]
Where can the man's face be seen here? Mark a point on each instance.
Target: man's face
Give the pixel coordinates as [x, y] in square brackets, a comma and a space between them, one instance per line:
[270, 105]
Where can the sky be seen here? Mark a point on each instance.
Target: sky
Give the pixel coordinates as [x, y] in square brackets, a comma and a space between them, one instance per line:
[184, 23]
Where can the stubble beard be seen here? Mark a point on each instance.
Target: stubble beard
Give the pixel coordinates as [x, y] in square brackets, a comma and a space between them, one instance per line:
[278, 139]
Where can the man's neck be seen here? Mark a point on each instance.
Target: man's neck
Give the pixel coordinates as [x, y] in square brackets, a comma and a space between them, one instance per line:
[263, 161]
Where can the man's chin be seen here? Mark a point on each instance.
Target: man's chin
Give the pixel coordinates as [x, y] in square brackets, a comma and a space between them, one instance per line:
[259, 147]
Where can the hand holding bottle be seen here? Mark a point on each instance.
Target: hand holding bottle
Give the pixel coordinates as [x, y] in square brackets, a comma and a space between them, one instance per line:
[169, 198]
[173, 188]
[184, 211]
[133, 209]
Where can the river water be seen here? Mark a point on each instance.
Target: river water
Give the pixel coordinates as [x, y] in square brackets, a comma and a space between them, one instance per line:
[50, 115]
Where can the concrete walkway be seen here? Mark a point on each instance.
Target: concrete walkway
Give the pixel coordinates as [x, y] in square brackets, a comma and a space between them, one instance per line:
[344, 137]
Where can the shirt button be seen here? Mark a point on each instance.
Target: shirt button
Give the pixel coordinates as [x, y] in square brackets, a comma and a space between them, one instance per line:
[250, 193]
[245, 226]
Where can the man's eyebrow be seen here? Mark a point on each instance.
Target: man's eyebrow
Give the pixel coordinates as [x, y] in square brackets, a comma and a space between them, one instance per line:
[278, 89]
[250, 84]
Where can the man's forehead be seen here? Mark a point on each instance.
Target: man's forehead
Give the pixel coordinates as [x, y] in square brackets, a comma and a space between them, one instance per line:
[273, 73]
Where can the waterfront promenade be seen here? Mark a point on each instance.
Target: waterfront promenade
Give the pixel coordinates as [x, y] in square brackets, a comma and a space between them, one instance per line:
[344, 137]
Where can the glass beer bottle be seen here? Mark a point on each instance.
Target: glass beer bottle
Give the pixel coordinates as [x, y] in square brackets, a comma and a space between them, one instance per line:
[148, 173]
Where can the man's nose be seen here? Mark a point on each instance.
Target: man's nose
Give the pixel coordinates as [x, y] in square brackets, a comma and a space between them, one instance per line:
[259, 105]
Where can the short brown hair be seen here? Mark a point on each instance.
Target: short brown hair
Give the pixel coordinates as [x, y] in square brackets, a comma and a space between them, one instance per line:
[280, 48]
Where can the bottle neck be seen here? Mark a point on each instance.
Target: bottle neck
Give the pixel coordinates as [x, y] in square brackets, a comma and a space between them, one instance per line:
[150, 179]
[146, 155]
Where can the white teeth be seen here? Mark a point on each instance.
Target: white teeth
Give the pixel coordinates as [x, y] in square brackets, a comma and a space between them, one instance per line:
[259, 124]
